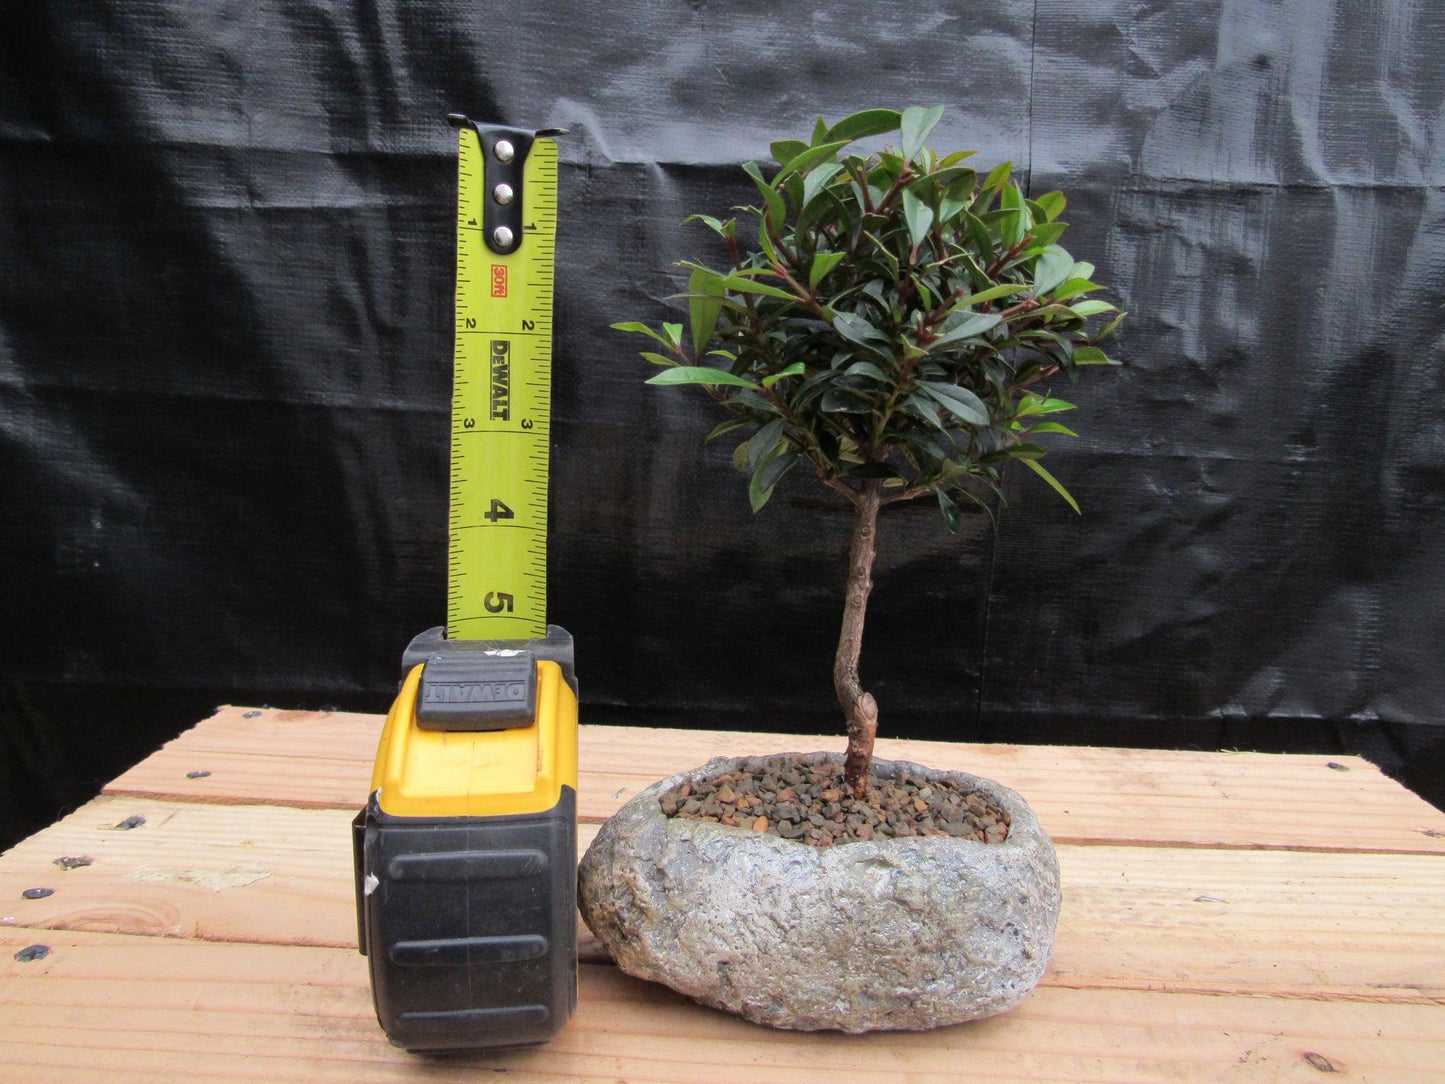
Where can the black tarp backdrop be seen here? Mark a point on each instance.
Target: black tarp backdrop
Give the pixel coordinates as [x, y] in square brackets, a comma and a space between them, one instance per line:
[225, 310]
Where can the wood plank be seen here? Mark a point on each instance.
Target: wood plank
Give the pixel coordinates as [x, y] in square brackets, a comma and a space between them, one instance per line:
[148, 1009]
[1320, 925]
[1081, 794]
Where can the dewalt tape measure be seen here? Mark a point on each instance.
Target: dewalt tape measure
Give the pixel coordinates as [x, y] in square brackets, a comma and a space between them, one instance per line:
[466, 852]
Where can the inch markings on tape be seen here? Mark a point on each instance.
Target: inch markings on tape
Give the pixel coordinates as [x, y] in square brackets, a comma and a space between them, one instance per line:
[502, 397]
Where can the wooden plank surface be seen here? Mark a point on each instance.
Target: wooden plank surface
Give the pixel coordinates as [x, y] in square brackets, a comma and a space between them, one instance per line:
[161, 1009]
[1081, 794]
[1225, 917]
[1286, 923]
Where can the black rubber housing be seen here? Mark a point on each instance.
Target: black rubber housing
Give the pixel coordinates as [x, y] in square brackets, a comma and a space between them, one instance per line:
[469, 925]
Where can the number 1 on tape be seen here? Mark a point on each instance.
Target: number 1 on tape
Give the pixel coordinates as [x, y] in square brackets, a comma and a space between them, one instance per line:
[501, 399]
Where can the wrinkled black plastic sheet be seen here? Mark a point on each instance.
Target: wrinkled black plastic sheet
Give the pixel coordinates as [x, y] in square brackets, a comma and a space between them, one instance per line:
[225, 291]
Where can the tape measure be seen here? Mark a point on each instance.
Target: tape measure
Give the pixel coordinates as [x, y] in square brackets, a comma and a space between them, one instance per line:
[501, 400]
[466, 851]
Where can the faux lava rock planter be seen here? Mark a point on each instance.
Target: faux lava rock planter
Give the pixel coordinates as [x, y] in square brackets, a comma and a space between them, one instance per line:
[901, 934]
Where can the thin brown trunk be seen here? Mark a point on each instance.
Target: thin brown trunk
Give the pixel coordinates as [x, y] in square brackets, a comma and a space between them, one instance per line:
[859, 707]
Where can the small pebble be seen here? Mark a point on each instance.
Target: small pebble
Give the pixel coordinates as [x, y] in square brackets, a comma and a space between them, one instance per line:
[37, 893]
[73, 861]
[130, 822]
[793, 799]
[31, 953]
[197, 775]
[250, 714]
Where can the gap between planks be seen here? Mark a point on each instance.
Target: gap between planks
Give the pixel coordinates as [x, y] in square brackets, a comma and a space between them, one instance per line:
[1085, 795]
[202, 1011]
[1276, 923]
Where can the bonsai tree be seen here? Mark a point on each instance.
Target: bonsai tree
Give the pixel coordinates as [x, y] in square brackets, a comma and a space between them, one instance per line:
[895, 329]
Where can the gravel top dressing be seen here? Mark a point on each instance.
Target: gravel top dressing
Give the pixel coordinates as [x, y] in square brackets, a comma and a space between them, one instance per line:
[787, 797]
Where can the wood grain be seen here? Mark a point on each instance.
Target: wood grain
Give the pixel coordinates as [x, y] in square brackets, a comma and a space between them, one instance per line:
[1081, 794]
[1285, 923]
[149, 1009]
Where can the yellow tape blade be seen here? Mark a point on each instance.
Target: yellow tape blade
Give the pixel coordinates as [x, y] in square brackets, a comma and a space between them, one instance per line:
[501, 407]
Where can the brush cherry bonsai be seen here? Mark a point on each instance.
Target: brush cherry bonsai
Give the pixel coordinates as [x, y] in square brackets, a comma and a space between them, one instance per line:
[896, 330]
[891, 331]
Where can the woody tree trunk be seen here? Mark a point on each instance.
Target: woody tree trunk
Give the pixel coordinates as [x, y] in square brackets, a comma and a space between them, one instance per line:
[859, 707]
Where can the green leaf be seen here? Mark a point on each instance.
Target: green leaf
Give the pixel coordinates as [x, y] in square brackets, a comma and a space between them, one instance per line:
[1044, 235]
[744, 285]
[1072, 288]
[949, 207]
[993, 293]
[809, 157]
[792, 370]
[659, 359]
[1091, 308]
[774, 211]
[885, 252]
[636, 326]
[982, 239]
[1014, 222]
[703, 308]
[817, 180]
[942, 180]
[765, 241]
[916, 125]
[973, 324]
[764, 441]
[998, 175]
[1032, 405]
[925, 409]
[820, 131]
[1110, 327]
[767, 475]
[1092, 355]
[823, 262]
[1052, 427]
[740, 457]
[868, 369]
[868, 122]
[960, 402]
[1037, 467]
[955, 157]
[844, 401]
[856, 329]
[774, 471]
[700, 374]
[725, 426]
[949, 510]
[722, 229]
[1053, 204]
[673, 333]
[1052, 312]
[785, 150]
[919, 217]
[1052, 268]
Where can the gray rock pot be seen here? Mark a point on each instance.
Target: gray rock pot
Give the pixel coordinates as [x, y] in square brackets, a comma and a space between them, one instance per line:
[907, 934]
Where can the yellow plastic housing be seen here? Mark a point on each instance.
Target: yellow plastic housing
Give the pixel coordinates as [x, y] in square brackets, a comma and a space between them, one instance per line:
[488, 773]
